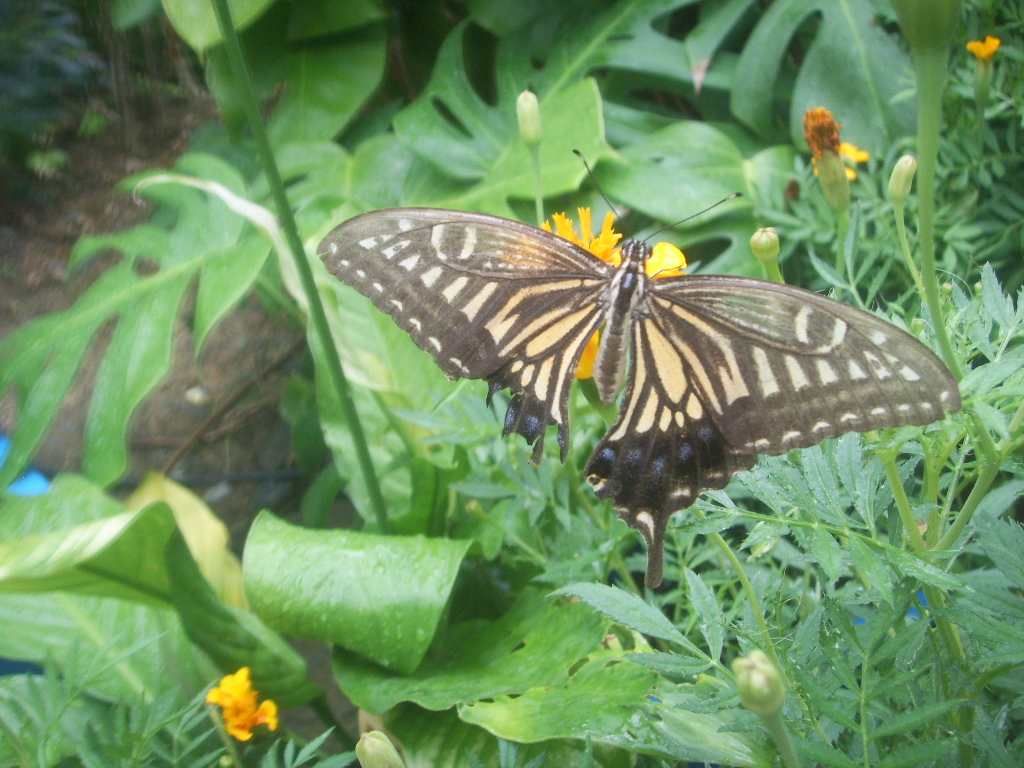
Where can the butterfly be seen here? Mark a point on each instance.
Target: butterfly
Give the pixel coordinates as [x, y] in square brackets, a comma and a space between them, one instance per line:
[717, 369]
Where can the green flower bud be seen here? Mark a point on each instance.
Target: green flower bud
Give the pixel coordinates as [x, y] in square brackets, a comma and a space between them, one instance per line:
[528, 112]
[834, 181]
[901, 179]
[759, 683]
[375, 750]
[765, 244]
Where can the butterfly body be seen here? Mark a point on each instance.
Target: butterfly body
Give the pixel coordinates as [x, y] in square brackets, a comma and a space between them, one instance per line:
[717, 369]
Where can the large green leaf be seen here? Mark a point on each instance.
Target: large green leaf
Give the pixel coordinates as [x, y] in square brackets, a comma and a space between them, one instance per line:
[851, 66]
[442, 740]
[534, 645]
[197, 23]
[379, 596]
[319, 84]
[620, 704]
[40, 360]
[138, 557]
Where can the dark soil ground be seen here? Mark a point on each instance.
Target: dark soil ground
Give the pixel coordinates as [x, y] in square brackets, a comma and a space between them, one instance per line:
[238, 458]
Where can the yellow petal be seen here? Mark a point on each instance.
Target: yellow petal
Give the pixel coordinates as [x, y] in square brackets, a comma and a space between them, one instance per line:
[666, 261]
[585, 368]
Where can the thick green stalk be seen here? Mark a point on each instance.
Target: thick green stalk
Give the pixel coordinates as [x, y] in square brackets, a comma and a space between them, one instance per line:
[930, 68]
[317, 317]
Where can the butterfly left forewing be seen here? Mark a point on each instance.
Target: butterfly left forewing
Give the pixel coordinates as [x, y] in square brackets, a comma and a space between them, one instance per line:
[489, 298]
[782, 368]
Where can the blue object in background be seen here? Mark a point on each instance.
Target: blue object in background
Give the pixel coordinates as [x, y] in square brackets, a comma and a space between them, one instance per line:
[32, 483]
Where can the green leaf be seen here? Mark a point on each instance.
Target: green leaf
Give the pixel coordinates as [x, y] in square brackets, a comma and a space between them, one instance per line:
[1003, 542]
[920, 716]
[227, 275]
[466, 140]
[825, 754]
[441, 740]
[872, 566]
[651, 180]
[591, 704]
[197, 23]
[379, 596]
[711, 621]
[628, 609]
[847, 67]
[40, 360]
[913, 755]
[928, 574]
[533, 645]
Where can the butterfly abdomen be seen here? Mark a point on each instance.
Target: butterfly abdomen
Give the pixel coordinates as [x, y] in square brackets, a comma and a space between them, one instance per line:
[625, 292]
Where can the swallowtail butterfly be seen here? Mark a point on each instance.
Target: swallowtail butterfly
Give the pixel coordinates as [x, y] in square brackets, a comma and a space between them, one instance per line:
[720, 368]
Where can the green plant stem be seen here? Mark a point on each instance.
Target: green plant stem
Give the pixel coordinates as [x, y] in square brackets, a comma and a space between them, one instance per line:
[225, 739]
[908, 257]
[317, 317]
[842, 230]
[776, 726]
[538, 184]
[930, 68]
[892, 474]
[768, 644]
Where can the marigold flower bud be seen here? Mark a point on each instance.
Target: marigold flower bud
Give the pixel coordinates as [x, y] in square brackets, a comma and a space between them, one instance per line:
[835, 184]
[765, 244]
[902, 178]
[759, 683]
[528, 112]
[375, 750]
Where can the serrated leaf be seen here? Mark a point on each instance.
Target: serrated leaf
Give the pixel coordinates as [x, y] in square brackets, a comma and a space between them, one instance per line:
[628, 609]
[921, 715]
[912, 755]
[919, 569]
[710, 621]
[671, 665]
[825, 754]
[872, 565]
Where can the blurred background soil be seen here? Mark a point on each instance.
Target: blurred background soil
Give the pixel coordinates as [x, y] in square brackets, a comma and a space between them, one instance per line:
[219, 415]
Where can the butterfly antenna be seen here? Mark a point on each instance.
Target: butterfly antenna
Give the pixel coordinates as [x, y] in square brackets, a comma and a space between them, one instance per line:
[590, 173]
[694, 216]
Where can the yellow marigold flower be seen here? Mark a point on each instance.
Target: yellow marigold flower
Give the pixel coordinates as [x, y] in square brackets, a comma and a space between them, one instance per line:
[237, 700]
[666, 260]
[984, 50]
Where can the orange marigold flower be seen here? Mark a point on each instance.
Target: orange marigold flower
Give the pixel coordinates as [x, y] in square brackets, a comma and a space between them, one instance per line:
[984, 50]
[666, 260]
[821, 131]
[237, 700]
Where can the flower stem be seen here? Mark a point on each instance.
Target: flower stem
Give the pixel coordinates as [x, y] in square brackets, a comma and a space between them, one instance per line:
[317, 317]
[930, 67]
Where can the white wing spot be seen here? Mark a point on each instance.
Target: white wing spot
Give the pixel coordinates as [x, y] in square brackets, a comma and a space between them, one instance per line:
[378, 287]
[796, 373]
[904, 407]
[820, 426]
[333, 247]
[765, 376]
[791, 435]
[826, 372]
[368, 242]
[458, 363]
[406, 224]
[474, 305]
[456, 286]
[856, 372]
[909, 373]
[398, 305]
[343, 262]
[469, 246]
[430, 276]
[646, 522]
[361, 273]
[415, 323]
[879, 338]
[434, 343]
[761, 444]
[877, 366]
[800, 324]
[411, 262]
[849, 417]
[879, 411]
[926, 406]
[527, 376]
[391, 250]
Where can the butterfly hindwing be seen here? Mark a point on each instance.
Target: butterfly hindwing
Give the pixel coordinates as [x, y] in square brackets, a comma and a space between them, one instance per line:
[782, 368]
[489, 298]
[664, 449]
